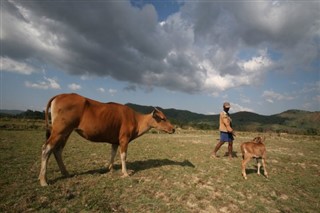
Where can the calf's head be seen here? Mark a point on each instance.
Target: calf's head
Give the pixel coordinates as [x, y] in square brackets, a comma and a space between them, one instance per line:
[160, 122]
[259, 139]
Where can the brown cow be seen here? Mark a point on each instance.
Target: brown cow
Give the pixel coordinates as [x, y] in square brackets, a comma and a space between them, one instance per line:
[95, 121]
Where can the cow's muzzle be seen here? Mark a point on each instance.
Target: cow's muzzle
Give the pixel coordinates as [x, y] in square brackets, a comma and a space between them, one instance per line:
[172, 131]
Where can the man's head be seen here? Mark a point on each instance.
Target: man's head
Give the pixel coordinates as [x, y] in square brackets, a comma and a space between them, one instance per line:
[226, 106]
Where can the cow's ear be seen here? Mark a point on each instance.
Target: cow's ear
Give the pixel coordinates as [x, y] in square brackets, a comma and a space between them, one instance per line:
[157, 114]
[154, 113]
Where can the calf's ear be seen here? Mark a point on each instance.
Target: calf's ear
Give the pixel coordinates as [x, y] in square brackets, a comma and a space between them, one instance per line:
[256, 139]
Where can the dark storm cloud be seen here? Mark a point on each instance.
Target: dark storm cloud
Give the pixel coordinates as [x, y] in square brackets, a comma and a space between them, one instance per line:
[103, 38]
[199, 48]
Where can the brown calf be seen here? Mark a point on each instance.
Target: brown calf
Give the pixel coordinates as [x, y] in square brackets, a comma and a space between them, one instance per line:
[254, 149]
[98, 122]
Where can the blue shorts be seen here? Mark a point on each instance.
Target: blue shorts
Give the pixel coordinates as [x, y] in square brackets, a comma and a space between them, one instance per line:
[226, 137]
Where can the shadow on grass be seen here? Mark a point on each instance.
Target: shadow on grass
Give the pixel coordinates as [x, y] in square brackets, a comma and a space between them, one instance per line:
[153, 163]
[251, 171]
[254, 171]
[234, 154]
[137, 166]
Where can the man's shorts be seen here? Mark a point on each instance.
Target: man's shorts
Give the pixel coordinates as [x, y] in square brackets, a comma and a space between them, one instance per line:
[226, 137]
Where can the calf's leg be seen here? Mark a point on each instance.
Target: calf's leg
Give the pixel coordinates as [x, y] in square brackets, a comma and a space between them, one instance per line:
[264, 167]
[258, 165]
[245, 160]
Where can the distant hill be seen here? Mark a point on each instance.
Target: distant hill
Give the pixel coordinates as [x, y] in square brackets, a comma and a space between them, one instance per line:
[180, 115]
[301, 120]
[10, 112]
[290, 121]
[22, 114]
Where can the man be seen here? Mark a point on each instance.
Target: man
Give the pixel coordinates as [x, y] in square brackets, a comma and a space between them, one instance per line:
[226, 131]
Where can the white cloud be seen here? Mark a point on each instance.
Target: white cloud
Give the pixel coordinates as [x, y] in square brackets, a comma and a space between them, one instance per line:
[238, 108]
[272, 96]
[74, 86]
[48, 83]
[269, 100]
[215, 94]
[101, 89]
[309, 95]
[112, 92]
[257, 63]
[311, 87]
[11, 65]
[245, 99]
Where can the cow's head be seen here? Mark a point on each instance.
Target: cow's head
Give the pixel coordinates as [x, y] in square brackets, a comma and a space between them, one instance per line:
[160, 122]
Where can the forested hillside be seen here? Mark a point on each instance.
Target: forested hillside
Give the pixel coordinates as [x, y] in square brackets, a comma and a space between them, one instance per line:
[291, 121]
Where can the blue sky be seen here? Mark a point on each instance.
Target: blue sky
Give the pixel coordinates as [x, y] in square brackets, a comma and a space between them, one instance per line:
[262, 56]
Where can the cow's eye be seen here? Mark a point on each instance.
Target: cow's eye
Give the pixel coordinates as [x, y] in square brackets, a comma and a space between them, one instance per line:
[160, 119]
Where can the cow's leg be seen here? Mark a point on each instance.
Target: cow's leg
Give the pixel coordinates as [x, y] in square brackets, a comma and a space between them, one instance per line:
[123, 155]
[258, 165]
[47, 149]
[245, 160]
[58, 156]
[114, 148]
[46, 152]
[264, 167]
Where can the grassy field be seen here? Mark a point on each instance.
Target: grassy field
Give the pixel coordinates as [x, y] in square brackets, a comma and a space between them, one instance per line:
[172, 173]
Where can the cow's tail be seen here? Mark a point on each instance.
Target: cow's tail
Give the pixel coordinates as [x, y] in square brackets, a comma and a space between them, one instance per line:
[46, 117]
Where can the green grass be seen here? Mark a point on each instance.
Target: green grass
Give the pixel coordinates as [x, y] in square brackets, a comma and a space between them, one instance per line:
[172, 173]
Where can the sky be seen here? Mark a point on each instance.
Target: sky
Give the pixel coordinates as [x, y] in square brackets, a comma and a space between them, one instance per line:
[262, 56]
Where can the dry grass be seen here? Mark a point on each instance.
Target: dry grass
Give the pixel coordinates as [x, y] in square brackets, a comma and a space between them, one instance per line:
[172, 173]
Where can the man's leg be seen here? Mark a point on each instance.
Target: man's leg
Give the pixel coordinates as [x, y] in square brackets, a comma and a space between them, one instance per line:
[217, 148]
[230, 149]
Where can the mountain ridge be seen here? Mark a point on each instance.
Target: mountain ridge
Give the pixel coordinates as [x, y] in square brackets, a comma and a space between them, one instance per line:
[290, 121]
